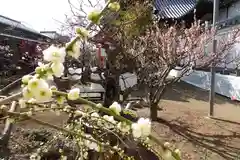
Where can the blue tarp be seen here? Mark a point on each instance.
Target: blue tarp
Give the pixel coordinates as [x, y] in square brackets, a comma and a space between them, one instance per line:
[174, 8]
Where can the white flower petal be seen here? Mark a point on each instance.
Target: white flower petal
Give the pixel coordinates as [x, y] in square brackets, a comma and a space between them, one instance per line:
[58, 69]
[27, 93]
[54, 54]
[74, 94]
[76, 50]
[136, 130]
[116, 107]
[43, 95]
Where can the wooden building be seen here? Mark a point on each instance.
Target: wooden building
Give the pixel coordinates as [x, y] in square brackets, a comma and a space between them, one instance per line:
[56, 37]
[18, 46]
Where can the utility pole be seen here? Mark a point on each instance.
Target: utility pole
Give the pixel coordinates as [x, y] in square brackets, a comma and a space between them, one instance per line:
[212, 88]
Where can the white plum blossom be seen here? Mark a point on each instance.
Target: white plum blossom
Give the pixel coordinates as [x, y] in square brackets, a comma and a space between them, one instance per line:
[35, 156]
[26, 78]
[116, 107]
[109, 119]
[82, 32]
[178, 152]
[38, 89]
[75, 52]
[27, 94]
[53, 88]
[36, 83]
[95, 115]
[114, 6]
[91, 145]
[73, 94]
[32, 100]
[44, 94]
[44, 68]
[57, 69]
[142, 128]
[54, 54]
[122, 126]
[167, 144]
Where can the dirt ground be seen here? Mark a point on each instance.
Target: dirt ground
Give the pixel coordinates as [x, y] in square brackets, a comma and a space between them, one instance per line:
[182, 122]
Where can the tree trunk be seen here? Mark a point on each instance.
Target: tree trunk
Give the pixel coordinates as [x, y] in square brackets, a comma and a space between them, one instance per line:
[150, 101]
[154, 111]
[17, 52]
[112, 90]
[238, 72]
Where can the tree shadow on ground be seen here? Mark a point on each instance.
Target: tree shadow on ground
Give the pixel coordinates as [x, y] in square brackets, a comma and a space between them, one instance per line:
[183, 91]
[215, 143]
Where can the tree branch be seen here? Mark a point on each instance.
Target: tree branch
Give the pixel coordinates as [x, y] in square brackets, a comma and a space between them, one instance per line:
[8, 128]
[13, 84]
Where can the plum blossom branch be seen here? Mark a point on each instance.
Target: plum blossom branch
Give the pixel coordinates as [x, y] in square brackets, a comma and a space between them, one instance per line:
[118, 117]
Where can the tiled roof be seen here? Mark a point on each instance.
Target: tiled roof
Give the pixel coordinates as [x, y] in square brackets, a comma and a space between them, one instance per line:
[16, 24]
[174, 8]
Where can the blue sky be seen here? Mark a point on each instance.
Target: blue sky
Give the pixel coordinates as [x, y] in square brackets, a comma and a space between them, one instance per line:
[38, 14]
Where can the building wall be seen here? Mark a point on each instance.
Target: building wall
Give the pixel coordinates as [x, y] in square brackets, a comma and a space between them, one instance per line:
[225, 14]
[225, 85]
[230, 12]
[234, 10]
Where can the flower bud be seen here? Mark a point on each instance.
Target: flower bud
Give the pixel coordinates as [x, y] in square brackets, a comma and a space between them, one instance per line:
[82, 32]
[38, 70]
[73, 94]
[29, 113]
[99, 105]
[94, 17]
[3, 107]
[60, 99]
[177, 151]
[167, 144]
[26, 78]
[116, 108]
[114, 6]
[53, 88]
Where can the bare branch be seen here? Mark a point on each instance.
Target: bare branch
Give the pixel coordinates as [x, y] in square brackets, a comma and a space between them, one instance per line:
[8, 128]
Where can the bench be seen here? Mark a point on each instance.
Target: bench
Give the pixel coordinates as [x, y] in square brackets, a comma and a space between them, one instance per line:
[93, 95]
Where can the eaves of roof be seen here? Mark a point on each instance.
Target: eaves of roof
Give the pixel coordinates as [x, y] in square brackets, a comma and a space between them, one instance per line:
[174, 8]
[16, 24]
